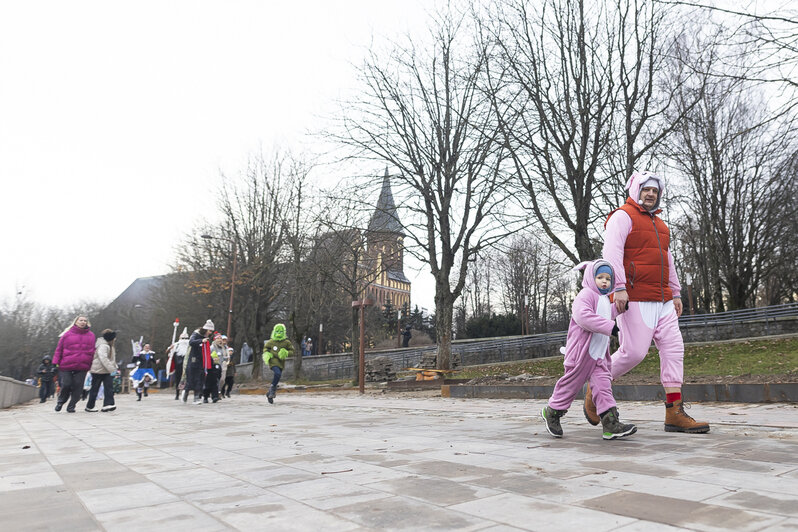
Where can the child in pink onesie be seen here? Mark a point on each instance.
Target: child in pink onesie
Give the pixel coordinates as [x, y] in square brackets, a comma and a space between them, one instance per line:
[587, 354]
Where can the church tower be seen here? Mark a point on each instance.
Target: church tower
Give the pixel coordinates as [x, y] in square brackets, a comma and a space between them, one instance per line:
[385, 249]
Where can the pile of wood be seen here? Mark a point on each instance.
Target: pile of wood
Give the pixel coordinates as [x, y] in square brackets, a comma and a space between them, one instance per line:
[379, 369]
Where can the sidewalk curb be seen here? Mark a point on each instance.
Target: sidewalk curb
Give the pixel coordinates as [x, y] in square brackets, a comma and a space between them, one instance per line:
[735, 393]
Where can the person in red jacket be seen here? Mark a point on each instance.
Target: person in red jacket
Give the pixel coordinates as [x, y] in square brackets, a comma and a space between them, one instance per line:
[73, 356]
[636, 243]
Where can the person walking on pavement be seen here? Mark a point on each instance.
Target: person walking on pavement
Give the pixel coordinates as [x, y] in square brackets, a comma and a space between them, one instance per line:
[195, 369]
[587, 351]
[103, 371]
[144, 375]
[275, 351]
[174, 364]
[213, 369]
[229, 374]
[46, 373]
[636, 242]
[73, 357]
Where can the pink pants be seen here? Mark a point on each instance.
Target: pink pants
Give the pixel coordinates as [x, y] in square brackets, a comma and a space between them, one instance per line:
[643, 322]
[577, 373]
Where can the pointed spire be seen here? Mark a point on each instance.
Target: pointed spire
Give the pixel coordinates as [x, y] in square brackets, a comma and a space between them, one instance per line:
[385, 218]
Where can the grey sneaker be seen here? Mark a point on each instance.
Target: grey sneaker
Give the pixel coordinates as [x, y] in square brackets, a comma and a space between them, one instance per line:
[552, 419]
[613, 428]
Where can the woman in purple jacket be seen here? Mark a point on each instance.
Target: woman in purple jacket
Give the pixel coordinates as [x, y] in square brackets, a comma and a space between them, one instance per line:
[73, 357]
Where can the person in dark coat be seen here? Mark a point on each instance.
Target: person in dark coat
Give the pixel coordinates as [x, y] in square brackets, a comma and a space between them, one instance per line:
[406, 336]
[46, 373]
[195, 370]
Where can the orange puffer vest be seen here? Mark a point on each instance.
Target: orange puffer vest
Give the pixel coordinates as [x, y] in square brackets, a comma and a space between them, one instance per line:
[645, 255]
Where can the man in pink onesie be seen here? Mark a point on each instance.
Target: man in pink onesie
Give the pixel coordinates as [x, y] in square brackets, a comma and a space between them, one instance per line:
[636, 243]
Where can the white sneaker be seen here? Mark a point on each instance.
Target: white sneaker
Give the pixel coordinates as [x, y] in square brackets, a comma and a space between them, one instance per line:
[109, 408]
[91, 409]
[197, 402]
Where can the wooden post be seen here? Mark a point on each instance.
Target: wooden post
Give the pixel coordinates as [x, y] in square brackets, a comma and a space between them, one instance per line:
[361, 305]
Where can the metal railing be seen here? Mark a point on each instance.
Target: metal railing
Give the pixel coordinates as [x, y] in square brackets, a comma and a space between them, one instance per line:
[471, 352]
[740, 316]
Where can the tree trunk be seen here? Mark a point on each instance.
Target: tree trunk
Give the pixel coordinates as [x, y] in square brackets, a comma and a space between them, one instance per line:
[444, 309]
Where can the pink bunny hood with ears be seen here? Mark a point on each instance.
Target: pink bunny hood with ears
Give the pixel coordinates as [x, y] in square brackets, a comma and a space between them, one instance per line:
[589, 276]
[635, 183]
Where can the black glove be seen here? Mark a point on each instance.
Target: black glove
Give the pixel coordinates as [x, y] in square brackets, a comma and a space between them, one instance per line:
[615, 331]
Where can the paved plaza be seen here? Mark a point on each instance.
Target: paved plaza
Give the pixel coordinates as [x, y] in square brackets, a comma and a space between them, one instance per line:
[340, 461]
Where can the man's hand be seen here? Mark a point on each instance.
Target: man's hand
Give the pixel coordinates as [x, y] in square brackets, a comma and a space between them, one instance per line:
[677, 304]
[621, 299]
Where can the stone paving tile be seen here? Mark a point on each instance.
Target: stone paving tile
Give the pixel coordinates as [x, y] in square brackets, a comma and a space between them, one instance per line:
[682, 489]
[283, 514]
[775, 503]
[167, 517]
[29, 480]
[327, 493]
[187, 481]
[140, 495]
[97, 474]
[679, 512]
[35, 509]
[274, 476]
[434, 490]
[531, 514]
[396, 513]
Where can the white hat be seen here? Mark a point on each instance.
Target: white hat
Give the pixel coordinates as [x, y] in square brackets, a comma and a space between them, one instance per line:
[184, 334]
[650, 182]
[208, 326]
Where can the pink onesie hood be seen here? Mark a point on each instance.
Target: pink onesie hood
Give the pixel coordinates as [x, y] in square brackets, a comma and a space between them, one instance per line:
[636, 182]
[589, 275]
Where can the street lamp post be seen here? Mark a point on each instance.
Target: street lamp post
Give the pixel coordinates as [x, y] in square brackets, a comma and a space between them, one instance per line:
[361, 305]
[232, 281]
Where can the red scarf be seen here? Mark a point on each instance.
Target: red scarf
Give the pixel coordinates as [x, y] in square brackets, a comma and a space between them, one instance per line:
[207, 361]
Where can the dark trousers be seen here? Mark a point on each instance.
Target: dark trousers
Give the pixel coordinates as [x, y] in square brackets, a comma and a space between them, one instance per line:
[177, 376]
[195, 380]
[228, 385]
[211, 384]
[108, 389]
[71, 386]
[45, 390]
[277, 374]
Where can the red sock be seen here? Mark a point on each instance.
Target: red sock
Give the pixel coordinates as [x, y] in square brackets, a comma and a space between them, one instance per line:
[673, 397]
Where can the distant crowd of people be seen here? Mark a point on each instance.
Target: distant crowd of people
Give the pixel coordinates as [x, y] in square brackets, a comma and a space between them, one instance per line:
[84, 367]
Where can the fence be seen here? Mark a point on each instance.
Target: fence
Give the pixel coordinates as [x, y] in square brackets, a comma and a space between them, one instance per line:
[761, 321]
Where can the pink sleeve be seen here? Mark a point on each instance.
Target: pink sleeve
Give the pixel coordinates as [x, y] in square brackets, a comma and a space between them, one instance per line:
[673, 281]
[618, 228]
[584, 314]
[59, 350]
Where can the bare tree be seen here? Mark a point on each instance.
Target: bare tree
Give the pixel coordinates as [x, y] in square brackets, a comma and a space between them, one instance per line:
[584, 107]
[254, 210]
[733, 150]
[423, 111]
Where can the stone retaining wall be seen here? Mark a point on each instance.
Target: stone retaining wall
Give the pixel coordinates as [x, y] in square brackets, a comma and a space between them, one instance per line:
[14, 392]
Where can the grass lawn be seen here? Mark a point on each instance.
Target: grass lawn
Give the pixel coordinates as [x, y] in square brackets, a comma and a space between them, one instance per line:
[755, 357]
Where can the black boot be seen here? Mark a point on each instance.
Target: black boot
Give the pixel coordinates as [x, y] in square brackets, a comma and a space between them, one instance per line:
[138, 393]
[58, 406]
[552, 419]
[145, 392]
[271, 393]
[613, 428]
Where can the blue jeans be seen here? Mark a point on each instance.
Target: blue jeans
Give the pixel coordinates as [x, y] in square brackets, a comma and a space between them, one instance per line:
[277, 374]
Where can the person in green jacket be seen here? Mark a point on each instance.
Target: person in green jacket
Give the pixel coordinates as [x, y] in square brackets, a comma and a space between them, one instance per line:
[275, 351]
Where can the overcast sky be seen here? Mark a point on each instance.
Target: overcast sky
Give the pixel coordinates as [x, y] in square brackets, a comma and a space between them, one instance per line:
[116, 119]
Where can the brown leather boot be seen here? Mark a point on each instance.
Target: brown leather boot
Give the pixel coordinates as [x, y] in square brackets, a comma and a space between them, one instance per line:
[677, 420]
[590, 408]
